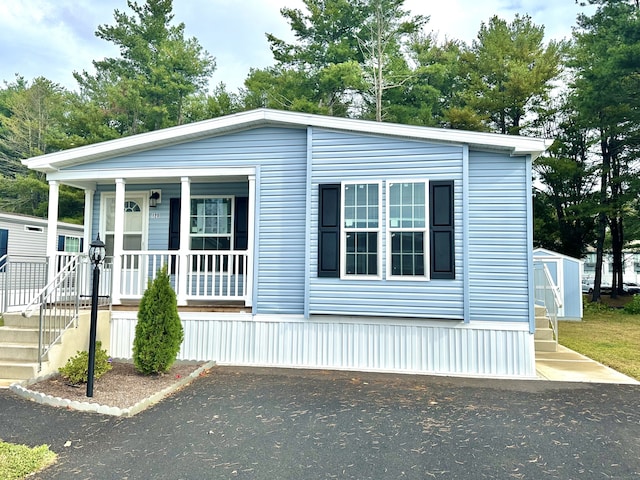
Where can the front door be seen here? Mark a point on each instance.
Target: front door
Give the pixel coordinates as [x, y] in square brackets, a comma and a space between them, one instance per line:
[135, 237]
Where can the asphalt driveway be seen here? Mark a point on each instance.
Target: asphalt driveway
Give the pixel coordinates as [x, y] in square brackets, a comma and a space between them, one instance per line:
[297, 424]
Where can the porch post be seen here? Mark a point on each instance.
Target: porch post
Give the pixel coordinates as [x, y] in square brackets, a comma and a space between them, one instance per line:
[52, 228]
[251, 218]
[183, 253]
[88, 219]
[118, 241]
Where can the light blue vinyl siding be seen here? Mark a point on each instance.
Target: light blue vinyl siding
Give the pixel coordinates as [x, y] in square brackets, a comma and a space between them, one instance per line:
[343, 156]
[280, 156]
[498, 248]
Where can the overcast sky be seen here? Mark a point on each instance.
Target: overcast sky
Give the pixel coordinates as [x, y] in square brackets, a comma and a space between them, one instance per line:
[52, 38]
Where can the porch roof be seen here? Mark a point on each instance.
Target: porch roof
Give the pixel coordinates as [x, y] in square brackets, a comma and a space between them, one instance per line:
[515, 145]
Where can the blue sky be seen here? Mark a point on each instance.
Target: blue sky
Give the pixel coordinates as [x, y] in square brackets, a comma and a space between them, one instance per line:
[52, 38]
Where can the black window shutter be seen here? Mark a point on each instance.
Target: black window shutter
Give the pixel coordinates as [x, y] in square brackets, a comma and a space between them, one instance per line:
[61, 243]
[241, 224]
[329, 230]
[442, 229]
[4, 244]
[174, 224]
[81, 245]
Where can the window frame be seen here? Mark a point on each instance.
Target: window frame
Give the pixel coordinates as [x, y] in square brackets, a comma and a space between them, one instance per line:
[344, 231]
[425, 230]
[231, 234]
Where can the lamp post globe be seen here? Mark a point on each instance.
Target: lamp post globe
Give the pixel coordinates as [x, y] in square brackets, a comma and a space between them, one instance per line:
[97, 251]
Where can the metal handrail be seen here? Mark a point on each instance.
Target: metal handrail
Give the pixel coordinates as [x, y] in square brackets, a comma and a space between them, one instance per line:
[547, 294]
[60, 301]
[69, 267]
[21, 278]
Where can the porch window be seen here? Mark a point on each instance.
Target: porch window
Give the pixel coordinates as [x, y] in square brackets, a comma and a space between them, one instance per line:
[69, 244]
[211, 223]
[361, 222]
[211, 229]
[407, 229]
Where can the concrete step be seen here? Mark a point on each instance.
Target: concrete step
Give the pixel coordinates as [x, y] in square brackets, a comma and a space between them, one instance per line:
[18, 335]
[542, 322]
[545, 346]
[17, 320]
[540, 311]
[543, 334]
[19, 352]
[6, 382]
[18, 370]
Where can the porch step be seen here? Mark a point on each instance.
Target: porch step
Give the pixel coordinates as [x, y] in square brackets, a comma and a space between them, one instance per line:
[544, 334]
[545, 346]
[544, 341]
[18, 335]
[19, 352]
[542, 322]
[17, 371]
[13, 319]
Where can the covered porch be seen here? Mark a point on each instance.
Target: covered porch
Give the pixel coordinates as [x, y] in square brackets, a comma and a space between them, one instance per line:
[196, 223]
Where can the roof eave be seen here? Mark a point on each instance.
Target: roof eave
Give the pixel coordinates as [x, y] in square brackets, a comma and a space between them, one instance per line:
[146, 141]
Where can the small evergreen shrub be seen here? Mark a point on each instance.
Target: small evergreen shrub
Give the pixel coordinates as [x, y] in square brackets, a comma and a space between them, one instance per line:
[633, 307]
[76, 370]
[159, 330]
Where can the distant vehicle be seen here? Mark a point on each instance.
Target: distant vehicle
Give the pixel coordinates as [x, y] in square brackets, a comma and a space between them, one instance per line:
[631, 288]
[587, 286]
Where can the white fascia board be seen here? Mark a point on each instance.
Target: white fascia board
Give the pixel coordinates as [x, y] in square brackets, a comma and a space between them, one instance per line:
[145, 174]
[516, 145]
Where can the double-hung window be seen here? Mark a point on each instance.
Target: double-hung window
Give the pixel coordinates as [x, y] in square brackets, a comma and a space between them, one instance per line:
[361, 229]
[211, 223]
[407, 229]
[419, 230]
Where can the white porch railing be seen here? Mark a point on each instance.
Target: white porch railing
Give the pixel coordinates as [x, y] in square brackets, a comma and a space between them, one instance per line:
[219, 274]
[207, 276]
[140, 267]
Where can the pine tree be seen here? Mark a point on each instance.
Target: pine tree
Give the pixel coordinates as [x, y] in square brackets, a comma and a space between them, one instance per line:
[158, 331]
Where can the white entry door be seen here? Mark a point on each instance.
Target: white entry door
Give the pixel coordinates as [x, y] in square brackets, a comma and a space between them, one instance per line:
[133, 278]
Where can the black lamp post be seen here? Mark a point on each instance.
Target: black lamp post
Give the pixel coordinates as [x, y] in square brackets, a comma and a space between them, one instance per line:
[96, 255]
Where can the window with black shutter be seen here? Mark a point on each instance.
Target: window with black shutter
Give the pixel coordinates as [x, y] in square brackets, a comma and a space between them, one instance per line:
[406, 230]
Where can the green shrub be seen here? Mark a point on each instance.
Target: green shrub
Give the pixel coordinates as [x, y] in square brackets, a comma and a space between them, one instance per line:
[595, 307]
[76, 370]
[159, 330]
[633, 307]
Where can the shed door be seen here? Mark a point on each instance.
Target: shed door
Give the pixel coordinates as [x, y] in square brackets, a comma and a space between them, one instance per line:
[555, 269]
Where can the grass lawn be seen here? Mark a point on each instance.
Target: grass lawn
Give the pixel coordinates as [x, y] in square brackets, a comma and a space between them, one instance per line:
[17, 461]
[607, 335]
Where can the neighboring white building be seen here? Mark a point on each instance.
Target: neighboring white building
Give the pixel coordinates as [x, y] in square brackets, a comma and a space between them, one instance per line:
[24, 235]
[631, 267]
